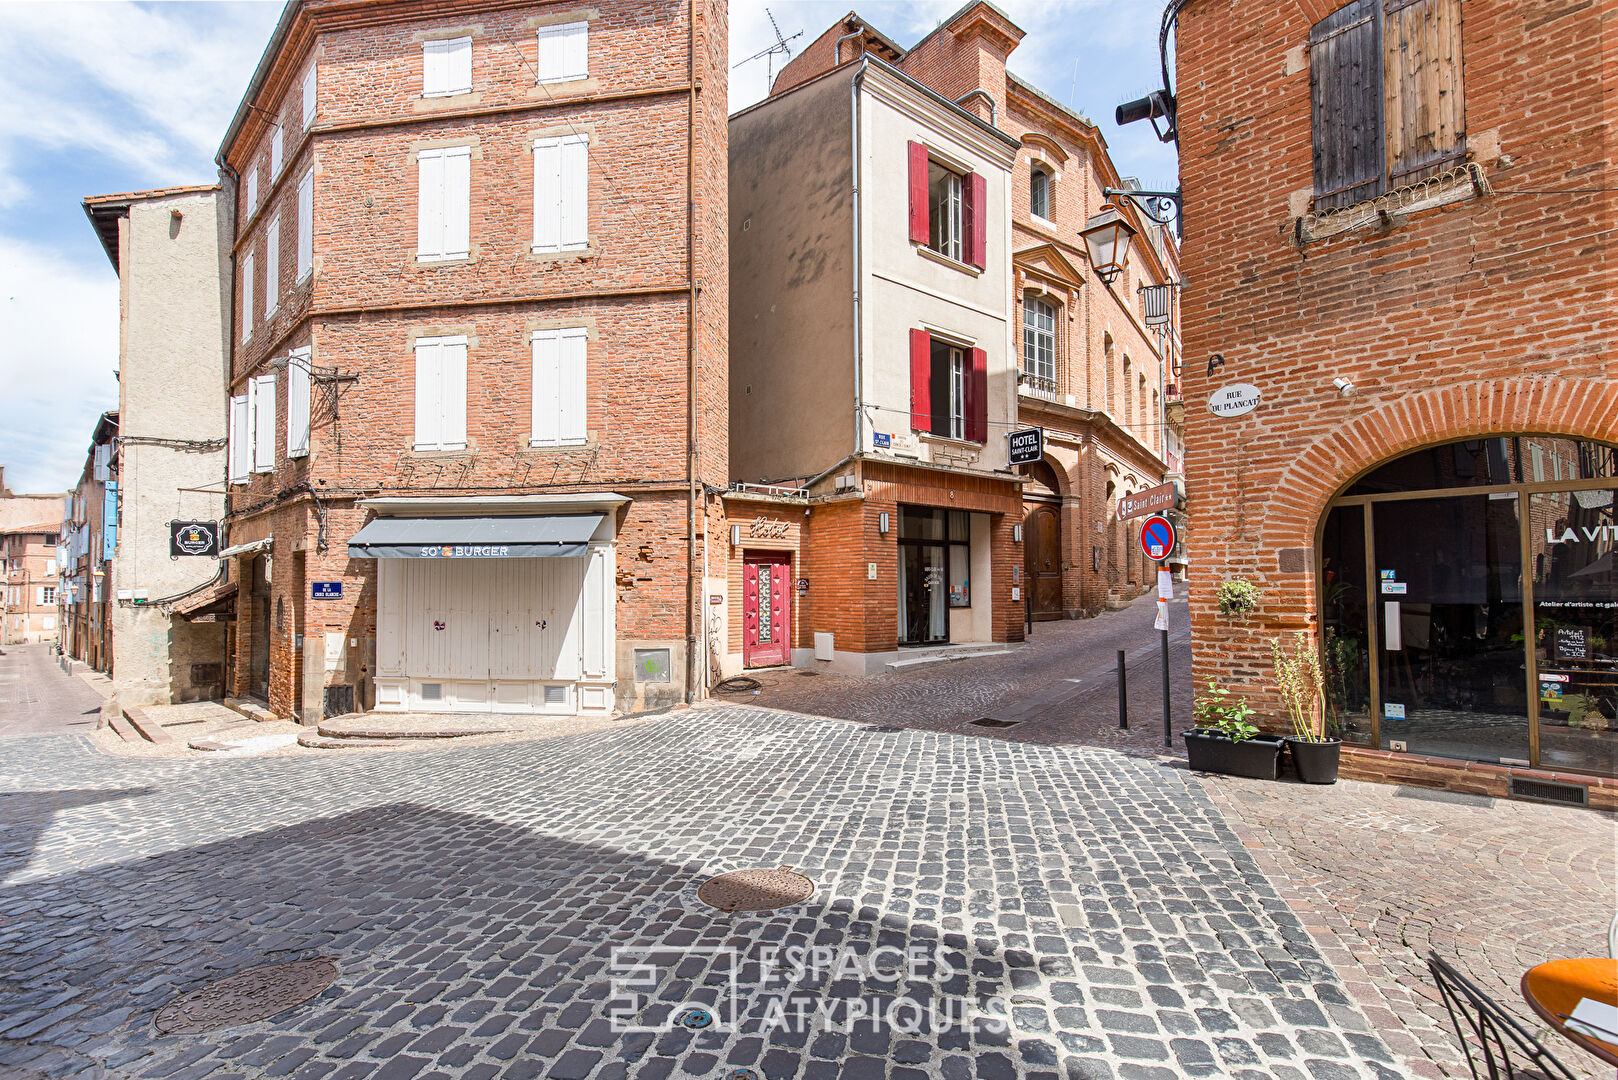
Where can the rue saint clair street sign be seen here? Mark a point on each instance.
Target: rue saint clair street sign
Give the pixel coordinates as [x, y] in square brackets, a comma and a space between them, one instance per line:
[1027, 445]
[1151, 501]
[1236, 399]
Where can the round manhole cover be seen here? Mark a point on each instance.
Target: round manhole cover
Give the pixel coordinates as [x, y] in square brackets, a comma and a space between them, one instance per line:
[756, 890]
[257, 994]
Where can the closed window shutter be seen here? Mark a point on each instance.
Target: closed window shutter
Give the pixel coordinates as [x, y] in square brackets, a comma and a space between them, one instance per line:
[247, 297]
[977, 219]
[277, 144]
[547, 195]
[433, 68]
[1345, 74]
[298, 394]
[458, 65]
[264, 423]
[547, 378]
[428, 404]
[236, 455]
[1425, 105]
[430, 205]
[561, 193]
[564, 52]
[976, 406]
[921, 380]
[306, 225]
[309, 80]
[272, 266]
[575, 192]
[457, 202]
[918, 193]
[570, 393]
[252, 187]
[452, 364]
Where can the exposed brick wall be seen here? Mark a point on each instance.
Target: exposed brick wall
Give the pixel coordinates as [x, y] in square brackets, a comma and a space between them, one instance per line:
[1490, 316]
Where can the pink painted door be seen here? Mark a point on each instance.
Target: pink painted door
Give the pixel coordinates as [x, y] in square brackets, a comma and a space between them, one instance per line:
[766, 609]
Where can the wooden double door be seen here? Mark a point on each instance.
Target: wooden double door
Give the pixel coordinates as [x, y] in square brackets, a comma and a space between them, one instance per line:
[1042, 553]
[766, 608]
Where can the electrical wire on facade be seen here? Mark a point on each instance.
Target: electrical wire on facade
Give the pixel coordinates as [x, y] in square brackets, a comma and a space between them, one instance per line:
[190, 446]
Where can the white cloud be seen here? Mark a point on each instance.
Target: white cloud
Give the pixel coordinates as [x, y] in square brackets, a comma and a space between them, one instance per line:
[58, 351]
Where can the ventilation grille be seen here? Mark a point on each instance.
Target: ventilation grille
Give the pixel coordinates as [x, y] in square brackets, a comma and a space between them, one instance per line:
[1550, 791]
[556, 695]
[432, 691]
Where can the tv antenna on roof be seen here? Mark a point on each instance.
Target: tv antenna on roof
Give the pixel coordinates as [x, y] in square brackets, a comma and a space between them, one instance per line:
[770, 53]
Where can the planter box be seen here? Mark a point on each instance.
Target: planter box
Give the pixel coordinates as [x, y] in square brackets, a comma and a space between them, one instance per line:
[1315, 762]
[1258, 758]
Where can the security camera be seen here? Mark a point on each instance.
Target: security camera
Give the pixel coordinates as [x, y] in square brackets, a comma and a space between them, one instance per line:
[1344, 387]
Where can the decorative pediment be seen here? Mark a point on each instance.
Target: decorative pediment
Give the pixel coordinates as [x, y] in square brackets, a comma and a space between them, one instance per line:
[1048, 263]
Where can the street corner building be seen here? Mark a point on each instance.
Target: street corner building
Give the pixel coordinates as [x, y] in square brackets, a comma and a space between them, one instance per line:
[478, 380]
[900, 305]
[32, 556]
[1402, 397]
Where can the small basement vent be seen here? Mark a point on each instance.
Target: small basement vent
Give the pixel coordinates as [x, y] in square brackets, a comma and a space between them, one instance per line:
[1550, 791]
[556, 695]
[432, 691]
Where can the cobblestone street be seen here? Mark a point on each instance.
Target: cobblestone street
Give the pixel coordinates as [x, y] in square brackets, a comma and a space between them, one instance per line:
[1134, 920]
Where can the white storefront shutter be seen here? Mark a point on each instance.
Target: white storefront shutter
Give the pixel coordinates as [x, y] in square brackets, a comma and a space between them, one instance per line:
[240, 452]
[564, 52]
[263, 394]
[598, 614]
[272, 266]
[306, 224]
[298, 393]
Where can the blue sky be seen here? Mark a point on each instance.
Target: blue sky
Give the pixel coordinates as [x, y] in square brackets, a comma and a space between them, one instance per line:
[123, 96]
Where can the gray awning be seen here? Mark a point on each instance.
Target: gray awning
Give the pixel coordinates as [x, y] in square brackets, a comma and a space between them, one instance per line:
[561, 536]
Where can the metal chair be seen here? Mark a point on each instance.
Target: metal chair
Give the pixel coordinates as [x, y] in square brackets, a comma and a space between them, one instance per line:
[1496, 1045]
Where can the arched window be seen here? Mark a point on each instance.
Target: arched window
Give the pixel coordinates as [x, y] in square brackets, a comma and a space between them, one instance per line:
[1039, 192]
[1039, 343]
[1126, 416]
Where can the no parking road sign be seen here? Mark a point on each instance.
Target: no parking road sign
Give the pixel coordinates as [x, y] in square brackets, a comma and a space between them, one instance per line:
[1157, 537]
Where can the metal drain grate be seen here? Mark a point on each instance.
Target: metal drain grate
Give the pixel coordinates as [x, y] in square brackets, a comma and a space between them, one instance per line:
[756, 890]
[256, 994]
[991, 722]
[1550, 791]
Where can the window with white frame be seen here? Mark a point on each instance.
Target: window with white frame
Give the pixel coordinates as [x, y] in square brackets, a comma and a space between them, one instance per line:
[252, 187]
[247, 297]
[446, 67]
[298, 400]
[443, 220]
[261, 396]
[559, 386]
[47, 594]
[561, 193]
[306, 224]
[277, 141]
[309, 80]
[564, 52]
[240, 451]
[1039, 192]
[945, 211]
[1039, 343]
[441, 393]
[272, 266]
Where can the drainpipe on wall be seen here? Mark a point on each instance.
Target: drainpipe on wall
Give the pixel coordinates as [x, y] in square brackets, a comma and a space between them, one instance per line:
[859, 386]
[691, 351]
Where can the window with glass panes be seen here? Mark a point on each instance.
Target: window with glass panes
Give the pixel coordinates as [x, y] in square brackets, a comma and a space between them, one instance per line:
[1039, 343]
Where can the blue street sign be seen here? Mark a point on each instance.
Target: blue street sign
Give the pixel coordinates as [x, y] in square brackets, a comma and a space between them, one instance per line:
[325, 590]
[1157, 538]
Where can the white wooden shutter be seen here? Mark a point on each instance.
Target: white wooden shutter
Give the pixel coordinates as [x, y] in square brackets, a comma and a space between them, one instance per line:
[247, 297]
[547, 357]
[298, 392]
[575, 192]
[263, 393]
[430, 209]
[40, 594]
[309, 80]
[564, 52]
[239, 452]
[598, 613]
[277, 142]
[561, 193]
[570, 385]
[252, 187]
[306, 224]
[272, 266]
[457, 205]
[428, 406]
[452, 361]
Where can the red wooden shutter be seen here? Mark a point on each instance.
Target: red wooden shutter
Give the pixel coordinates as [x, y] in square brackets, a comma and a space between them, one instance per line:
[918, 193]
[977, 398]
[977, 220]
[921, 381]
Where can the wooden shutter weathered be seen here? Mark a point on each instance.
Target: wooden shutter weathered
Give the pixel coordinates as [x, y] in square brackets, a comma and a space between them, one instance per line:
[1345, 75]
[919, 223]
[1425, 108]
[977, 397]
[976, 187]
[921, 381]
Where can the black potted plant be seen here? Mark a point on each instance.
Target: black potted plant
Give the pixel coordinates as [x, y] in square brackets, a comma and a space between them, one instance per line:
[1315, 755]
[1225, 742]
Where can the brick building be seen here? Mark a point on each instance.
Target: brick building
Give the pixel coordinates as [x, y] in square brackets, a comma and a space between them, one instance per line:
[1091, 371]
[478, 386]
[1398, 230]
[873, 381]
[90, 534]
[29, 580]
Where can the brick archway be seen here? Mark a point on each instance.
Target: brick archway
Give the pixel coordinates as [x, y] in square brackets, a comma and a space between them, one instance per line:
[1580, 408]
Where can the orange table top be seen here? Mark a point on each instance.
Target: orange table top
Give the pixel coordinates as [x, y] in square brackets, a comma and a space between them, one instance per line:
[1554, 988]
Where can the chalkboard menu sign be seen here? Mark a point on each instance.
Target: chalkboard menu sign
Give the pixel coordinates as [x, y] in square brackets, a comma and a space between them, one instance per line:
[1572, 643]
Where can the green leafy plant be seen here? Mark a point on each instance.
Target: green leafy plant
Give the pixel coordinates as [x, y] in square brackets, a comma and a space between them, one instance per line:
[1238, 597]
[1215, 710]
[1299, 683]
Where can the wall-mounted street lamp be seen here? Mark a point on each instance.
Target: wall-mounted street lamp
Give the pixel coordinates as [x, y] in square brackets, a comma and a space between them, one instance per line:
[1106, 238]
[882, 523]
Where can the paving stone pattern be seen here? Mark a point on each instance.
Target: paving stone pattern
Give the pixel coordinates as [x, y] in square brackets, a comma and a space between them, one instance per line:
[473, 899]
